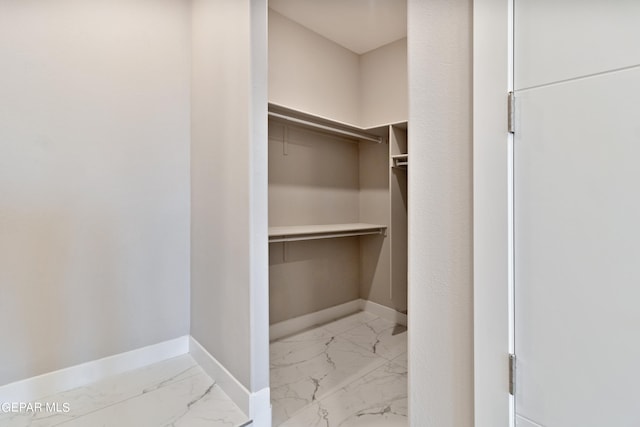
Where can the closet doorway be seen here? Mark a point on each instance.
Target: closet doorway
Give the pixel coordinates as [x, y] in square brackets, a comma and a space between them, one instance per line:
[338, 159]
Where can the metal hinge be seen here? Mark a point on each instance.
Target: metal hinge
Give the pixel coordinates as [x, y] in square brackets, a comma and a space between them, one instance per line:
[512, 374]
[511, 112]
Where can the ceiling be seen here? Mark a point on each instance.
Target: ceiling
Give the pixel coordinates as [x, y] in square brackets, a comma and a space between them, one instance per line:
[358, 25]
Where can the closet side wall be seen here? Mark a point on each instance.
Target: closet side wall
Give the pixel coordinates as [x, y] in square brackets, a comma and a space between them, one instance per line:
[94, 180]
[383, 94]
[310, 73]
[229, 243]
[399, 211]
[383, 200]
[375, 260]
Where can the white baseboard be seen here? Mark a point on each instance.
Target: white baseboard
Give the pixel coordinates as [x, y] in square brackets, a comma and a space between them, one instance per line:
[523, 422]
[257, 406]
[261, 408]
[384, 312]
[225, 379]
[297, 324]
[54, 382]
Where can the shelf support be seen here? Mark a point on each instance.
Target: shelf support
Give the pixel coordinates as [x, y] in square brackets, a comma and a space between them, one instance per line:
[285, 141]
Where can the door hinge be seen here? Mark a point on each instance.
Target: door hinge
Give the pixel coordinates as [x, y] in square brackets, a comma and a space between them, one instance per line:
[512, 374]
[511, 112]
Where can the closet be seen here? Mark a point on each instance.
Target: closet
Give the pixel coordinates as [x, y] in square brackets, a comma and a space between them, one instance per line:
[338, 160]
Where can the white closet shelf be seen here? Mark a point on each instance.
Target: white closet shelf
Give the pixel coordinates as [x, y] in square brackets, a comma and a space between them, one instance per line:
[400, 161]
[325, 125]
[297, 233]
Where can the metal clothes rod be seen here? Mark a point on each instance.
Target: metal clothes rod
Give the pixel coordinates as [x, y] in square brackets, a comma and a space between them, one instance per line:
[337, 130]
[322, 236]
[400, 161]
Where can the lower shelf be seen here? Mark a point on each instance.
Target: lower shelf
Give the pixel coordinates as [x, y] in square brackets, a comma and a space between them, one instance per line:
[296, 233]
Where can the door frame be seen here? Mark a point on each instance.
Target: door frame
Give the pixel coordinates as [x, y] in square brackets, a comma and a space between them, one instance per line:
[492, 212]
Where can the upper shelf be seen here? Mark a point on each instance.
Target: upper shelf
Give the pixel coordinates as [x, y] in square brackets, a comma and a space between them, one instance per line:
[325, 125]
[327, 231]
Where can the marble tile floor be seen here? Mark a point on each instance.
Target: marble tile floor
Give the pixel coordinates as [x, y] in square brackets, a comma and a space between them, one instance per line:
[349, 373]
[172, 393]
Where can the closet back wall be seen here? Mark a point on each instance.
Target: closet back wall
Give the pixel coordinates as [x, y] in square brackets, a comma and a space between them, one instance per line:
[310, 73]
[94, 180]
[315, 182]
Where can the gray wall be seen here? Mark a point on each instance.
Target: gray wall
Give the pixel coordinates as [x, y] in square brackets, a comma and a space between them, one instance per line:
[94, 178]
[310, 73]
[375, 208]
[383, 97]
[229, 289]
[324, 179]
[440, 213]
[316, 182]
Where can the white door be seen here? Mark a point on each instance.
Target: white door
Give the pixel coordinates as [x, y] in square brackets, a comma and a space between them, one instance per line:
[577, 213]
